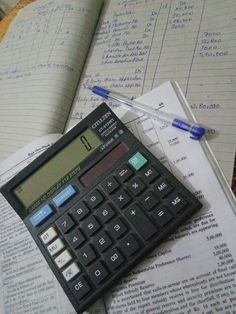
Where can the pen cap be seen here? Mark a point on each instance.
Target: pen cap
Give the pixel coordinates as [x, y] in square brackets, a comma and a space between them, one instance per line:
[100, 91]
[196, 131]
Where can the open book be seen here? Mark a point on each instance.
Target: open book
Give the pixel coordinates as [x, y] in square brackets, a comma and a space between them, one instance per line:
[52, 49]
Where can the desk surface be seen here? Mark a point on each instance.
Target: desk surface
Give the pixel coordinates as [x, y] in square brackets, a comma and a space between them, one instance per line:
[7, 5]
[4, 24]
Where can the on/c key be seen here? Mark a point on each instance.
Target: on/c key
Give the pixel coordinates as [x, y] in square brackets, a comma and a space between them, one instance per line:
[140, 221]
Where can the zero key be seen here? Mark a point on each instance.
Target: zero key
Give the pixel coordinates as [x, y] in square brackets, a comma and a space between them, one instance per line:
[140, 221]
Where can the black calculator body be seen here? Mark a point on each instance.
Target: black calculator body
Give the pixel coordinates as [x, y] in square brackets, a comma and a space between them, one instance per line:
[96, 203]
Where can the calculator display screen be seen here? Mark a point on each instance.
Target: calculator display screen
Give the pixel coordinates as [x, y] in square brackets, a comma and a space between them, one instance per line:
[57, 170]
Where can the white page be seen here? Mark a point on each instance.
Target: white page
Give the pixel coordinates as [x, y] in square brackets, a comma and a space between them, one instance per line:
[195, 270]
[141, 44]
[38, 272]
[41, 58]
[27, 285]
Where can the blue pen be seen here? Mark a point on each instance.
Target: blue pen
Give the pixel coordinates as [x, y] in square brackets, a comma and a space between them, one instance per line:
[195, 130]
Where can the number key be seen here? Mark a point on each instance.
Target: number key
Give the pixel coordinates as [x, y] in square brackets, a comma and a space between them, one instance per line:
[102, 241]
[64, 223]
[79, 211]
[94, 198]
[90, 226]
[98, 273]
[116, 228]
[114, 259]
[86, 255]
[105, 213]
[75, 238]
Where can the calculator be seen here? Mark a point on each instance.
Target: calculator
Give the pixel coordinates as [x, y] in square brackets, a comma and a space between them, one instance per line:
[97, 202]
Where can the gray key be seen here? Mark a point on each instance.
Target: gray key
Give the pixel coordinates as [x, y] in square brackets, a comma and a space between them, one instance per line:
[140, 221]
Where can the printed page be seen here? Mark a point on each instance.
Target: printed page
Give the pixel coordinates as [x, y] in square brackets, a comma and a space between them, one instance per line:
[202, 252]
[140, 44]
[194, 271]
[41, 58]
[27, 285]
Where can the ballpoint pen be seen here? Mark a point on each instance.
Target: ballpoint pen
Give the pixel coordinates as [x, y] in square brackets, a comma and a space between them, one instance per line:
[195, 130]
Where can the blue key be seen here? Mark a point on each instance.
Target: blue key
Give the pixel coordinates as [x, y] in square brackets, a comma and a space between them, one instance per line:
[41, 215]
[62, 197]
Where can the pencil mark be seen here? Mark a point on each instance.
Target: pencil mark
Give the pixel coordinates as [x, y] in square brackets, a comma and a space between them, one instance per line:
[150, 49]
[194, 50]
[162, 44]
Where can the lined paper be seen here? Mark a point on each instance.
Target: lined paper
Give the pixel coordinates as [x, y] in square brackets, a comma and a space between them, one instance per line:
[41, 58]
[143, 43]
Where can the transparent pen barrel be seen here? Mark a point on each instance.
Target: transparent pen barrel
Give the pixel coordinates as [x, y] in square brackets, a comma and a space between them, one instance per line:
[137, 107]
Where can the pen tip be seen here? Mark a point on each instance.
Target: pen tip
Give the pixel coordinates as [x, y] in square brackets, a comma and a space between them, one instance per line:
[88, 86]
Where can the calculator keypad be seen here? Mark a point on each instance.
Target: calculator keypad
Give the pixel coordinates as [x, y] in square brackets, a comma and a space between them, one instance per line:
[75, 238]
[48, 235]
[110, 184]
[112, 223]
[64, 223]
[149, 174]
[105, 213]
[80, 211]
[124, 173]
[55, 247]
[64, 196]
[80, 287]
[121, 198]
[71, 271]
[142, 224]
[86, 254]
[63, 259]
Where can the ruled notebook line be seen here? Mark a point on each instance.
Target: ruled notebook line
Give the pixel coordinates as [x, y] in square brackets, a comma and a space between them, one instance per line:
[169, 41]
[41, 58]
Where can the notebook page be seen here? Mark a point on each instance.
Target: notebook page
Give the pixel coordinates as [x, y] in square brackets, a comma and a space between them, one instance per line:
[143, 43]
[41, 58]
